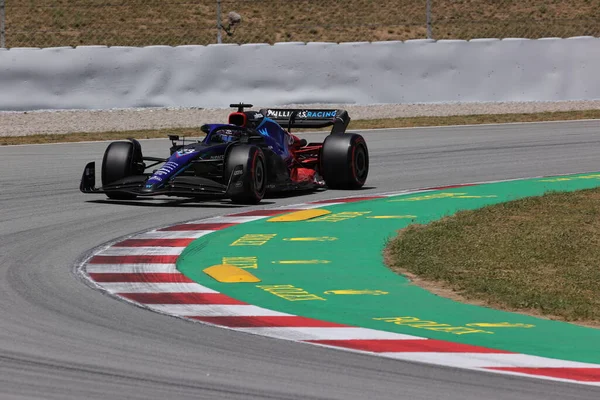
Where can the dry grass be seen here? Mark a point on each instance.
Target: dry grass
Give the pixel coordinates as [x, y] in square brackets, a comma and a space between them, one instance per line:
[538, 255]
[354, 125]
[45, 23]
[473, 119]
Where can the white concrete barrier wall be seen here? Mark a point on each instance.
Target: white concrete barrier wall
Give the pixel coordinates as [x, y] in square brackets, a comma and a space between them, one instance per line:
[417, 71]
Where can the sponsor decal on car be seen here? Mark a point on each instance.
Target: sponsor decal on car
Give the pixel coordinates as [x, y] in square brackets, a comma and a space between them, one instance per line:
[279, 113]
[183, 152]
[320, 114]
[302, 113]
[167, 169]
[263, 132]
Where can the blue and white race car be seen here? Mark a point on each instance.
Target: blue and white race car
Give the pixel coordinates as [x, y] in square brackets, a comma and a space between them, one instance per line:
[242, 160]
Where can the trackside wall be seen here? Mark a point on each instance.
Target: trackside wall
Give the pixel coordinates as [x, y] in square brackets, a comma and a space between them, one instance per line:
[416, 71]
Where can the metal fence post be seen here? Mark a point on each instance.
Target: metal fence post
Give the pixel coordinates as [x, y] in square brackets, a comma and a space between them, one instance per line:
[429, 34]
[2, 25]
[218, 21]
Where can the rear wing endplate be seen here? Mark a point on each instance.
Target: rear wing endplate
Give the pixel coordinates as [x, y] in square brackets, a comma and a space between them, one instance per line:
[309, 118]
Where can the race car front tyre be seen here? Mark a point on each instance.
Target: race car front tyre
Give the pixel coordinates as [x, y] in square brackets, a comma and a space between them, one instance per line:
[245, 169]
[344, 161]
[119, 161]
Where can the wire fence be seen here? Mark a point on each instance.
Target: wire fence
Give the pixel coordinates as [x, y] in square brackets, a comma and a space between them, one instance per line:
[49, 23]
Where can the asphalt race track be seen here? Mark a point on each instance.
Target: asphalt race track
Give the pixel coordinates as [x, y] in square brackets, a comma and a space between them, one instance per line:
[60, 339]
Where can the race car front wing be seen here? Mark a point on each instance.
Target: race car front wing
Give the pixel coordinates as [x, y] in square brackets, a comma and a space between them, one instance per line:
[185, 186]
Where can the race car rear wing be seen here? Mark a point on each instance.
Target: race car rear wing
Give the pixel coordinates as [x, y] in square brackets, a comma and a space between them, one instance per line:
[309, 118]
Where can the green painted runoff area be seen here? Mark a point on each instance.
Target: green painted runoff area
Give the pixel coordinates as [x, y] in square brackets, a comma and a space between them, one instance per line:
[331, 268]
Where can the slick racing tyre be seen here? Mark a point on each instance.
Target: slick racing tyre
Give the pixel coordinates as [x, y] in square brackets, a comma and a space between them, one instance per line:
[246, 173]
[121, 159]
[344, 161]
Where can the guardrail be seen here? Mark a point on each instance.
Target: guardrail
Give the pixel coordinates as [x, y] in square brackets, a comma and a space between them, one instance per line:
[416, 71]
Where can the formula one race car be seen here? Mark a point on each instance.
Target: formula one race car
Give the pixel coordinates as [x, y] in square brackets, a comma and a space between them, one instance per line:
[241, 160]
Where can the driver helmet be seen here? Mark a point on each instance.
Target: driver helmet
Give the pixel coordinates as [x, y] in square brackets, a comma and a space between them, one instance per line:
[226, 136]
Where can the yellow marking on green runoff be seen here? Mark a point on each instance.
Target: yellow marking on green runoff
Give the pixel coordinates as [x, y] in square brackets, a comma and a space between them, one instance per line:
[427, 197]
[443, 196]
[392, 217]
[490, 196]
[241, 262]
[301, 262]
[311, 239]
[571, 178]
[353, 292]
[417, 323]
[340, 216]
[253, 239]
[302, 215]
[500, 325]
[229, 274]
[290, 292]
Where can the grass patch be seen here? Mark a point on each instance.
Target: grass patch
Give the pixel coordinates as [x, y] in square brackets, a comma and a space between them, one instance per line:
[354, 125]
[45, 23]
[473, 119]
[538, 255]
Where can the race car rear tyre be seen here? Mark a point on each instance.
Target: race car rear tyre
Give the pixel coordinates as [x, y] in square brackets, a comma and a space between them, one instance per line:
[248, 185]
[344, 161]
[121, 159]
